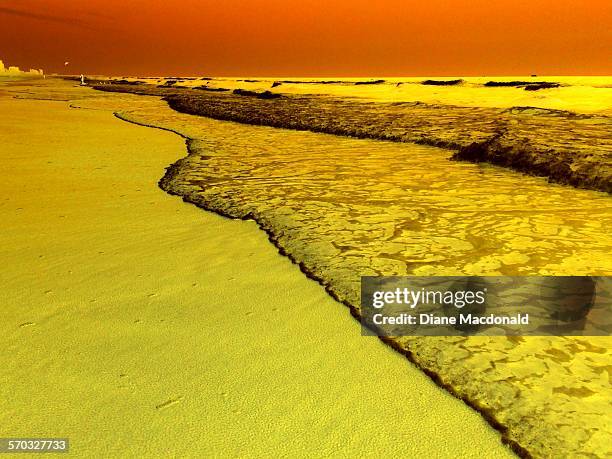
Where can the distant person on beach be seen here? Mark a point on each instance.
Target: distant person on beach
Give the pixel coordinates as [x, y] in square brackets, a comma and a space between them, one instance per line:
[82, 80]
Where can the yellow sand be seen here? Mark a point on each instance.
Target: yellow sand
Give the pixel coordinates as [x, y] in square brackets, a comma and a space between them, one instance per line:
[138, 325]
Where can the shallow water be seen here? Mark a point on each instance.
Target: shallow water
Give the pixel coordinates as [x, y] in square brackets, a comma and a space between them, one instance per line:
[567, 147]
[399, 208]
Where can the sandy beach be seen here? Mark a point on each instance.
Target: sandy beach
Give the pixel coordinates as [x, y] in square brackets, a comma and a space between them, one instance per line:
[306, 229]
[138, 325]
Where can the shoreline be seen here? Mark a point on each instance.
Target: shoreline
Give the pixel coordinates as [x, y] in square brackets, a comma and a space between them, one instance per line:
[94, 220]
[202, 161]
[165, 183]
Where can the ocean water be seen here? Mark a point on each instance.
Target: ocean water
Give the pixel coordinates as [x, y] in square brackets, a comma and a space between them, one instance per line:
[582, 94]
[571, 144]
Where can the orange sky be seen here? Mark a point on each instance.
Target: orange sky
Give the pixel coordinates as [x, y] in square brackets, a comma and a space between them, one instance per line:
[309, 37]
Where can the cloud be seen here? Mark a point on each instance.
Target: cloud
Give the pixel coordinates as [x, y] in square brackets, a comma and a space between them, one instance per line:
[46, 17]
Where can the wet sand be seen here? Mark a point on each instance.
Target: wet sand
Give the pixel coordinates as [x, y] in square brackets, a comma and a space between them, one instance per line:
[136, 324]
